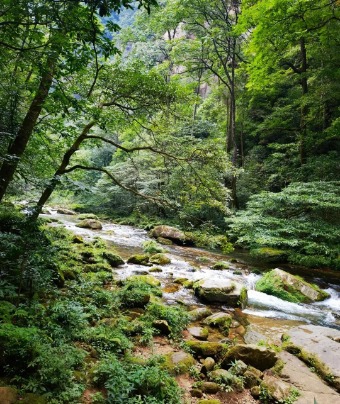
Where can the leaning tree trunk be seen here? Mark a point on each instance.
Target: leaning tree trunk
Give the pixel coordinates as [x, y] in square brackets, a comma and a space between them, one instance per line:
[18, 146]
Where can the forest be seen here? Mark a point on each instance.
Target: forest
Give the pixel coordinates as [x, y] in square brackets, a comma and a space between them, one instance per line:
[147, 147]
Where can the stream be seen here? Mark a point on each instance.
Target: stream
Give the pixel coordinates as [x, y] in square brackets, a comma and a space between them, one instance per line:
[268, 315]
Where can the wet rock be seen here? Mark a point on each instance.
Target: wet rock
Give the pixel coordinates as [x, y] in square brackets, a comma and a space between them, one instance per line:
[277, 389]
[199, 333]
[8, 395]
[155, 270]
[200, 313]
[289, 287]
[90, 224]
[184, 282]
[210, 387]
[207, 365]
[221, 320]
[63, 211]
[113, 259]
[316, 345]
[77, 239]
[179, 362]
[260, 357]
[164, 241]
[139, 259]
[149, 279]
[162, 326]
[205, 348]
[220, 266]
[171, 233]
[171, 288]
[224, 291]
[160, 259]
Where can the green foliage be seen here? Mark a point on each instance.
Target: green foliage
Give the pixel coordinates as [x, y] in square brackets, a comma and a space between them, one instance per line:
[136, 384]
[301, 220]
[137, 292]
[152, 247]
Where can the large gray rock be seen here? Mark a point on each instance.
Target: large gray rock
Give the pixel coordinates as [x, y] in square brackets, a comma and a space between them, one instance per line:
[277, 389]
[171, 233]
[224, 291]
[258, 356]
[63, 211]
[321, 343]
[90, 224]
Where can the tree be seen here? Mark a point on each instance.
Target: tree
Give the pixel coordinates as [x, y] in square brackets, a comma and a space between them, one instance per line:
[50, 39]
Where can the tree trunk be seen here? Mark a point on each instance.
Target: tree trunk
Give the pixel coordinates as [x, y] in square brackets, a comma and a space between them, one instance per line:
[60, 171]
[304, 109]
[18, 146]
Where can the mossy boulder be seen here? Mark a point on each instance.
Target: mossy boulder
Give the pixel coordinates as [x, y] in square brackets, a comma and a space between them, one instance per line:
[184, 282]
[90, 224]
[148, 279]
[259, 357]
[64, 211]
[179, 362]
[113, 259]
[171, 233]
[200, 313]
[220, 265]
[209, 401]
[221, 320]
[289, 287]
[252, 377]
[76, 239]
[277, 389]
[205, 348]
[224, 291]
[210, 387]
[160, 259]
[155, 270]
[269, 254]
[97, 267]
[83, 216]
[139, 259]
[164, 241]
[200, 333]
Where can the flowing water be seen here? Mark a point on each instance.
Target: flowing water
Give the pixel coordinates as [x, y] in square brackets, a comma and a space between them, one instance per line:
[192, 263]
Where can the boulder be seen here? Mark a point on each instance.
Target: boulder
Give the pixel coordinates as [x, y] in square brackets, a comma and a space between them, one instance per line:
[113, 259]
[139, 259]
[196, 393]
[210, 387]
[8, 395]
[277, 389]
[199, 333]
[289, 287]
[207, 365]
[149, 279]
[209, 401]
[224, 291]
[221, 320]
[258, 356]
[162, 326]
[171, 233]
[199, 313]
[160, 259]
[220, 375]
[63, 211]
[252, 377]
[205, 348]
[220, 265]
[179, 362]
[90, 224]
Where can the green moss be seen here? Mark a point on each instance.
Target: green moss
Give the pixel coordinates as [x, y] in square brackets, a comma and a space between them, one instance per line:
[160, 259]
[178, 362]
[220, 265]
[269, 254]
[113, 259]
[83, 216]
[209, 401]
[139, 259]
[204, 348]
[97, 267]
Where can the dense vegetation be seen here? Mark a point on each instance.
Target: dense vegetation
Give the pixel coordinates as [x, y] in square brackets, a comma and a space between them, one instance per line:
[219, 116]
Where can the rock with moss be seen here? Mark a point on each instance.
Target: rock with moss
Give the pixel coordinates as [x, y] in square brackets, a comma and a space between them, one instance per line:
[200, 313]
[221, 320]
[184, 282]
[90, 224]
[155, 270]
[276, 389]
[139, 259]
[220, 266]
[162, 326]
[259, 357]
[200, 333]
[148, 279]
[179, 362]
[97, 267]
[64, 211]
[113, 259]
[252, 377]
[209, 401]
[76, 239]
[289, 287]
[171, 233]
[206, 348]
[269, 254]
[210, 387]
[8, 395]
[160, 259]
[224, 291]
[208, 365]
[83, 216]
[164, 241]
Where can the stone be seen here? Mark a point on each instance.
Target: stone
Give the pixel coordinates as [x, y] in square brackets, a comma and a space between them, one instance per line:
[252, 377]
[220, 266]
[289, 287]
[160, 259]
[224, 291]
[63, 211]
[164, 241]
[76, 239]
[155, 270]
[90, 224]
[179, 362]
[277, 389]
[196, 393]
[139, 259]
[199, 333]
[260, 357]
[205, 348]
[199, 313]
[317, 342]
[255, 391]
[210, 387]
[162, 326]
[207, 365]
[220, 319]
[209, 401]
[149, 279]
[113, 259]
[220, 375]
[8, 395]
[171, 233]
